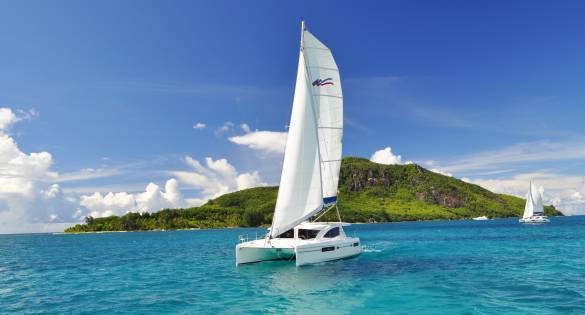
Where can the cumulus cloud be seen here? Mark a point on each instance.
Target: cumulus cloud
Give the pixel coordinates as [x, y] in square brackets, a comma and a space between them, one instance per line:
[199, 126]
[28, 197]
[215, 178]
[7, 118]
[266, 142]
[385, 156]
[119, 203]
[32, 200]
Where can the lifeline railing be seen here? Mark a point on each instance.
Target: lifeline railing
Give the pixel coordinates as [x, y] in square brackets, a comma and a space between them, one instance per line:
[242, 238]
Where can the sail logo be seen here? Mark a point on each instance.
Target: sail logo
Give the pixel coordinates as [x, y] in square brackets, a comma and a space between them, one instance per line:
[319, 82]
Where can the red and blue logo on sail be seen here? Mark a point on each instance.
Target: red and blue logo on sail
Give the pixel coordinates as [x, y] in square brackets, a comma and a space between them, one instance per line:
[319, 82]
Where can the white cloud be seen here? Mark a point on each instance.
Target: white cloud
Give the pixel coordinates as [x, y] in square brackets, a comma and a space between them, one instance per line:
[30, 200]
[267, 142]
[520, 153]
[249, 180]
[216, 178]
[7, 118]
[119, 203]
[227, 126]
[199, 126]
[86, 174]
[440, 171]
[385, 156]
[245, 128]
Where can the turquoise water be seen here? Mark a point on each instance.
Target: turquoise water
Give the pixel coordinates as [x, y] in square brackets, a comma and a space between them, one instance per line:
[457, 267]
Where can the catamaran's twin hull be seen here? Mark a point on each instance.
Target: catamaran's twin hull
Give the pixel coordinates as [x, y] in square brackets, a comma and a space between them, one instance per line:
[535, 219]
[304, 253]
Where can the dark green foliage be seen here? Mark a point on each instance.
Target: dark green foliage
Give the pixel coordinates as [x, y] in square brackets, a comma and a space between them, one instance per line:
[368, 192]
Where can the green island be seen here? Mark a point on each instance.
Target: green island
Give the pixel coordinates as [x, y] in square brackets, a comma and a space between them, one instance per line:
[368, 192]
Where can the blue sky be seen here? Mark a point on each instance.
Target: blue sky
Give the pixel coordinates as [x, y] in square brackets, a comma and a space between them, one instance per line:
[489, 91]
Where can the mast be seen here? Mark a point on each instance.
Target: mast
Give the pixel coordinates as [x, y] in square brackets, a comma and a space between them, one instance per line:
[303, 28]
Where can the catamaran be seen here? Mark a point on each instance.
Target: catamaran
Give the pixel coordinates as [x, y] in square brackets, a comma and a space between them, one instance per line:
[534, 209]
[310, 171]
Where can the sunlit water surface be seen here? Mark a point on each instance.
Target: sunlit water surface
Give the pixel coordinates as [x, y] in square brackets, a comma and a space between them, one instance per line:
[441, 267]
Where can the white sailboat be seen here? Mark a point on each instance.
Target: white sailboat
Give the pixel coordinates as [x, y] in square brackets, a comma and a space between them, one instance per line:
[310, 172]
[534, 209]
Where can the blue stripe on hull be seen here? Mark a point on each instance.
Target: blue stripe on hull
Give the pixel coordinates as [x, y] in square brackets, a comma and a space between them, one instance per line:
[329, 200]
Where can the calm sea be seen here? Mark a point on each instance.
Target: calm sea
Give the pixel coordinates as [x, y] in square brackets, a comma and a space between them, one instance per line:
[441, 267]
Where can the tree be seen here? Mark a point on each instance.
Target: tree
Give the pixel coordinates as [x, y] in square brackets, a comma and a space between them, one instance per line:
[253, 217]
[89, 219]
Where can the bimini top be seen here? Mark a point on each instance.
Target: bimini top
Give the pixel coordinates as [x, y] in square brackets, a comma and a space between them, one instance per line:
[312, 157]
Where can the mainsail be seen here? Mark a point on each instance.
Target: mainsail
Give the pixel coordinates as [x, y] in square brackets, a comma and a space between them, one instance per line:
[534, 204]
[312, 158]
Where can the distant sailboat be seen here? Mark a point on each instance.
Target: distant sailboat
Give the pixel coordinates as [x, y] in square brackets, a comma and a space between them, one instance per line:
[310, 172]
[534, 209]
[482, 218]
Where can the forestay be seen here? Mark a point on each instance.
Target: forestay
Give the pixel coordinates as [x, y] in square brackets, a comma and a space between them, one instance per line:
[312, 158]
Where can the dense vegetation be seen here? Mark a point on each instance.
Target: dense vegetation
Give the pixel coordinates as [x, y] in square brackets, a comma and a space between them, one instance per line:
[368, 192]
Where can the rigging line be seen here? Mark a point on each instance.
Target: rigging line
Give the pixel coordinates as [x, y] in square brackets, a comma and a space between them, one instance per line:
[338, 215]
[323, 213]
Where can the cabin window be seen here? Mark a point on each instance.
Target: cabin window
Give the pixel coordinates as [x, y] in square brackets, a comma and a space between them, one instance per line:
[334, 232]
[356, 244]
[288, 234]
[327, 249]
[308, 234]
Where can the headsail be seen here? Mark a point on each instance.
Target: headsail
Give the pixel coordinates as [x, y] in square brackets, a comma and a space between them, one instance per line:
[529, 207]
[534, 204]
[312, 158]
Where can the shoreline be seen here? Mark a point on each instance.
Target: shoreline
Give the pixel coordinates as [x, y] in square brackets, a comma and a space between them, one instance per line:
[245, 227]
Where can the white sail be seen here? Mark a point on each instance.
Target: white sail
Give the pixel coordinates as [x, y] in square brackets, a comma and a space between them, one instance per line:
[312, 157]
[538, 208]
[529, 207]
[534, 204]
[328, 104]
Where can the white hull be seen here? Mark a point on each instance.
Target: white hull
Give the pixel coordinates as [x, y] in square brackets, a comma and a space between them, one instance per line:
[303, 251]
[535, 219]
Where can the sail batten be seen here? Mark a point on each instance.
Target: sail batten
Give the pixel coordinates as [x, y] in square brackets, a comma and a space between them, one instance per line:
[312, 158]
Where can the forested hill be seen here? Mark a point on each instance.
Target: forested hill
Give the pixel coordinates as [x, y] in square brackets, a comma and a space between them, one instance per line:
[368, 192]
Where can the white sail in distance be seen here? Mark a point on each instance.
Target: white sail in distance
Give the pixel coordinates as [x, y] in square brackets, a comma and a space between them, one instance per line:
[312, 158]
[534, 204]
